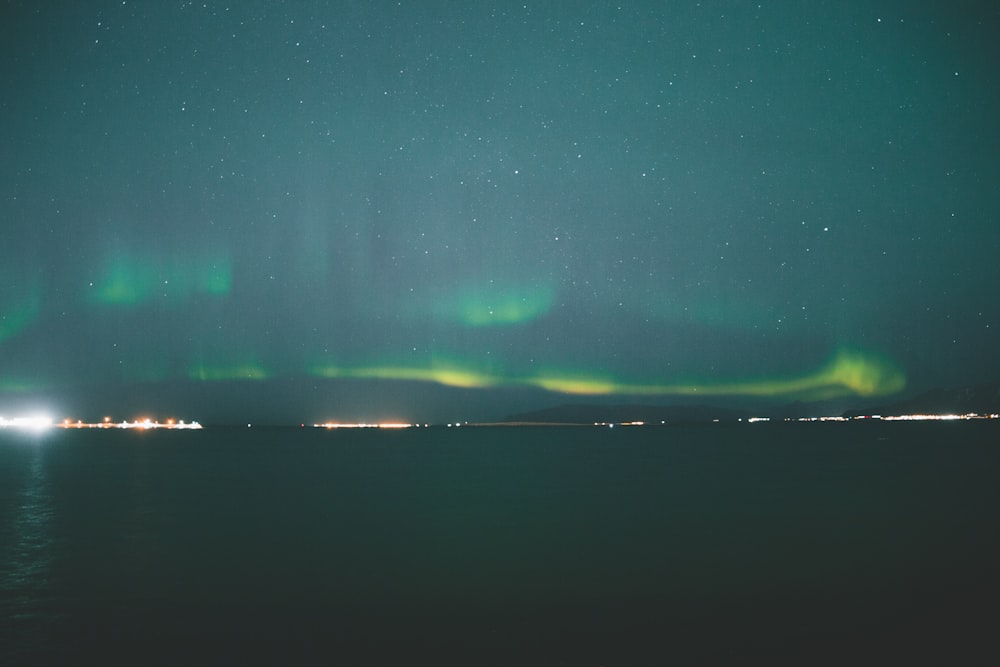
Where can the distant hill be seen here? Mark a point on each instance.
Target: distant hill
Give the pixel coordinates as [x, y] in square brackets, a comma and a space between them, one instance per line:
[981, 399]
[589, 414]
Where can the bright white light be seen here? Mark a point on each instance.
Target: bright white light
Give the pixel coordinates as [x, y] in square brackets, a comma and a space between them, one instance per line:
[34, 423]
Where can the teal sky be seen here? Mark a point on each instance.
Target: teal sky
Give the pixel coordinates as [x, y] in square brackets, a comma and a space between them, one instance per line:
[413, 209]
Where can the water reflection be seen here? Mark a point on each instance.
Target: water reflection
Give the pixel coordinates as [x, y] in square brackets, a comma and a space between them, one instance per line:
[26, 557]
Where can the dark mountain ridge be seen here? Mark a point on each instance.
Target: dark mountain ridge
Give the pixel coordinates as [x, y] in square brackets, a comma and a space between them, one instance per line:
[979, 399]
[617, 414]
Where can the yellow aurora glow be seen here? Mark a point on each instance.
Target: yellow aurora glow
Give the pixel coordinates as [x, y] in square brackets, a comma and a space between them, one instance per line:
[848, 373]
[451, 376]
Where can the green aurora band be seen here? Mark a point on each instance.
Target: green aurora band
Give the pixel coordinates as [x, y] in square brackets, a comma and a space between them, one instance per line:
[490, 305]
[848, 373]
[504, 307]
[248, 370]
[17, 314]
[133, 281]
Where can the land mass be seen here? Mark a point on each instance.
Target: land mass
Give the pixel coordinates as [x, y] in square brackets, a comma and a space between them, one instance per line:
[617, 414]
[978, 399]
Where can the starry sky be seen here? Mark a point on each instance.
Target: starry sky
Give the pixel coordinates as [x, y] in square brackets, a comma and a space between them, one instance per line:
[309, 210]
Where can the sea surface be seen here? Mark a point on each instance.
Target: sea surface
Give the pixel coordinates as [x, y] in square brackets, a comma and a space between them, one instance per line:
[819, 543]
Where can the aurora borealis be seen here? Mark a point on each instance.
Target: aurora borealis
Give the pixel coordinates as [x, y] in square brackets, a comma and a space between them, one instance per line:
[519, 202]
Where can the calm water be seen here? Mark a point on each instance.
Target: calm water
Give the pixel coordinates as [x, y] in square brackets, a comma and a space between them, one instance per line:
[812, 542]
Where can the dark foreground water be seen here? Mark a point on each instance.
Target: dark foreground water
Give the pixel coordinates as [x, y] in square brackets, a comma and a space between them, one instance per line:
[812, 543]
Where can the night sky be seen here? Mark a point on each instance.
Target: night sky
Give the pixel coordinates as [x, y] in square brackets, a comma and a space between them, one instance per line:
[307, 210]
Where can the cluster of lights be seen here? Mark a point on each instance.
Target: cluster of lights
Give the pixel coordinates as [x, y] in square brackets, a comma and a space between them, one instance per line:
[613, 424]
[757, 420]
[333, 425]
[143, 424]
[889, 418]
[39, 423]
[970, 415]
